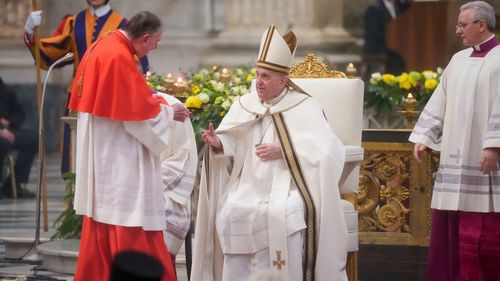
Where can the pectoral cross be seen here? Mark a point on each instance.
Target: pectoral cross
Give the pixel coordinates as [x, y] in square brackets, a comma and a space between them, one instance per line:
[263, 132]
[456, 156]
[279, 262]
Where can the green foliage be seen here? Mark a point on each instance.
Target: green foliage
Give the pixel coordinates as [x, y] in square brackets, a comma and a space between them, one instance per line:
[385, 92]
[68, 224]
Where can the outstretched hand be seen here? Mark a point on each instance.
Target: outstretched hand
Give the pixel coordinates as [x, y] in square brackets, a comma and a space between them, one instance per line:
[210, 137]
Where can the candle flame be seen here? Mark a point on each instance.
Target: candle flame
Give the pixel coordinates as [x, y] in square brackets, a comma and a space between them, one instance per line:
[179, 80]
[410, 96]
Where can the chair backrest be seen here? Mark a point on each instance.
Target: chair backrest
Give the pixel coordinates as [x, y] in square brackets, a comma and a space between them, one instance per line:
[341, 98]
[342, 101]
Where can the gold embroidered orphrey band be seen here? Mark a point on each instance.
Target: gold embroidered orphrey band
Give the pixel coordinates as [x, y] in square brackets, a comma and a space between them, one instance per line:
[299, 179]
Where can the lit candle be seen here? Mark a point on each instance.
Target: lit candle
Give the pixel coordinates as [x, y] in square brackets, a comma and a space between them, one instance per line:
[410, 102]
[225, 75]
[351, 70]
[169, 82]
[180, 87]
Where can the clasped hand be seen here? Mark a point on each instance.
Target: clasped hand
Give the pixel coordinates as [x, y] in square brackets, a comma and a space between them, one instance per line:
[8, 135]
[489, 160]
[180, 112]
[268, 151]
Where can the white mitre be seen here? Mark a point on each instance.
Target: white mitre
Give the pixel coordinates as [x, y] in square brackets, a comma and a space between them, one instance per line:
[276, 51]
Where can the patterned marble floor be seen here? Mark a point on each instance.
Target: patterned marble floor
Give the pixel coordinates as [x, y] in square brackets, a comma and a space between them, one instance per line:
[18, 219]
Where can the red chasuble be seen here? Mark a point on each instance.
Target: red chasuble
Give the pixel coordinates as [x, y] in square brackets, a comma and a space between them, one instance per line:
[109, 84]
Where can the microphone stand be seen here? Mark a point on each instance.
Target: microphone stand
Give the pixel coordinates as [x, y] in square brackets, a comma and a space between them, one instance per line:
[41, 156]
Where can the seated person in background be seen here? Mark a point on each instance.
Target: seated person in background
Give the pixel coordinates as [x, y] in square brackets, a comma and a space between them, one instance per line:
[13, 137]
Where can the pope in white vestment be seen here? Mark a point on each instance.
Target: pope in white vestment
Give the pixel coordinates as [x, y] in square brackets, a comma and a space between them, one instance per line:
[282, 214]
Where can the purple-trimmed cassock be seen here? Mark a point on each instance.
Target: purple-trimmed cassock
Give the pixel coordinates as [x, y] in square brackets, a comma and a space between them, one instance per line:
[460, 120]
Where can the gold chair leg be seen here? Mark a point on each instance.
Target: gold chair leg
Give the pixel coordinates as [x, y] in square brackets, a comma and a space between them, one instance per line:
[352, 266]
[10, 161]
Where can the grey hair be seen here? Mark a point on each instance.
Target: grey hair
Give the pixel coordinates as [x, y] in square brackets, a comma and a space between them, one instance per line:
[482, 10]
[142, 23]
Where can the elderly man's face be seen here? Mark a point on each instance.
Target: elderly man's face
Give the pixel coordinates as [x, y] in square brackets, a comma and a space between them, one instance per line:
[468, 29]
[269, 83]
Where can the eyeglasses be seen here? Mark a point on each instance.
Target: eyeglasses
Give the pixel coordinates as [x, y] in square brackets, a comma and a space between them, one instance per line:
[462, 25]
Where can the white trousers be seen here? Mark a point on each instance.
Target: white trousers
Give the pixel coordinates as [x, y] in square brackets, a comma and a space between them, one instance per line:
[240, 267]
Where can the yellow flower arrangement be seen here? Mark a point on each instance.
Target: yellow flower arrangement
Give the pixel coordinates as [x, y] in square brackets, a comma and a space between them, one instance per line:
[193, 102]
[386, 91]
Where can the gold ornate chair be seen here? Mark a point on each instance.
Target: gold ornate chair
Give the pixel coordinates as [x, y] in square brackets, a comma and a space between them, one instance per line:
[342, 101]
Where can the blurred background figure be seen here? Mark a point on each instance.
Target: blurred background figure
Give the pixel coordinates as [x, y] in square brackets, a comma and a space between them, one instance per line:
[377, 57]
[15, 138]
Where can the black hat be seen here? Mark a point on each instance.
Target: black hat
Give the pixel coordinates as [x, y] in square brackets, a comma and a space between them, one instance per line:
[136, 266]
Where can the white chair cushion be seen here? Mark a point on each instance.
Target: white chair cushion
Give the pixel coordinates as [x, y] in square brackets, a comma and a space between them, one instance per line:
[354, 153]
[349, 180]
[351, 218]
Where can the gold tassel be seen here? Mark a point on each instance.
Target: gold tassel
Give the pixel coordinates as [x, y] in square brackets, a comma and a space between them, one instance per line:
[80, 86]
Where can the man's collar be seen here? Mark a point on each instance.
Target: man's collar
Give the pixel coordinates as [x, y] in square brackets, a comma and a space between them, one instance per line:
[480, 46]
[101, 11]
[277, 99]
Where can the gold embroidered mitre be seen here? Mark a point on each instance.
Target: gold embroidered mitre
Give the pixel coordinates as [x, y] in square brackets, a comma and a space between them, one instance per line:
[276, 50]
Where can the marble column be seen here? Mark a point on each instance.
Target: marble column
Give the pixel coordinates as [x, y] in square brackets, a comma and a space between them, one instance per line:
[318, 25]
[315, 22]
[12, 17]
